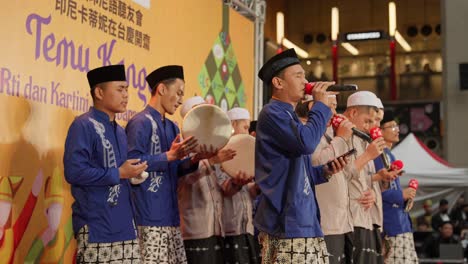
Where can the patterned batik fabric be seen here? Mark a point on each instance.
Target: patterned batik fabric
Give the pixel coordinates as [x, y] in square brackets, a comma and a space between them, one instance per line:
[125, 252]
[400, 249]
[293, 250]
[163, 245]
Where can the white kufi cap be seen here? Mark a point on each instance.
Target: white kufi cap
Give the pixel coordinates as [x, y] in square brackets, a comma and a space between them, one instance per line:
[238, 113]
[362, 98]
[379, 103]
[190, 103]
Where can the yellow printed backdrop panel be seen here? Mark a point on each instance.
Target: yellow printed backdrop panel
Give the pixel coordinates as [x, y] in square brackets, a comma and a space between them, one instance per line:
[242, 32]
[46, 49]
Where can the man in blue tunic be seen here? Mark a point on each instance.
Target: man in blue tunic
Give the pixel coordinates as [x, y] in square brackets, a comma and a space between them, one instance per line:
[287, 215]
[398, 242]
[153, 138]
[96, 166]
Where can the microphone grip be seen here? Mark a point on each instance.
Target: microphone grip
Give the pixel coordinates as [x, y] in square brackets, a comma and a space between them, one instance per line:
[361, 134]
[409, 205]
[333, 88]
[342, 88]
[385, 160]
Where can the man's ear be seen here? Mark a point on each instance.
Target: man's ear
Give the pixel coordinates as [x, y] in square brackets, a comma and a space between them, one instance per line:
[99, 92]
[161, 89]
[277, 82]
[352, 112]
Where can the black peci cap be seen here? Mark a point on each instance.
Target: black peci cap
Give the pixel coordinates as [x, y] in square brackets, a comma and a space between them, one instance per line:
[106, 74]
[165, 73]
[277, 63]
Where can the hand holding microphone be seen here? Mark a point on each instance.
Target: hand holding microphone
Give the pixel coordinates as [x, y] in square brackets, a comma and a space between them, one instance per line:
[342, 127]
[336, 122]
[393, 172]
[409, 194]
[396, 165]
[376, 133]
[318, 90]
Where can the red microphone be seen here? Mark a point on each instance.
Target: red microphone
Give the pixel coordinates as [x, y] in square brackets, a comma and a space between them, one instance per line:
[413, 184]
[376, 133]
[308, 88]
[336, 121]
[333, 88]
[396, 165]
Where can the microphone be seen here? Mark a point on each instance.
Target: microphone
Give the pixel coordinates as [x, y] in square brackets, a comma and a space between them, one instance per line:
[334, 88]
[336, 121]
[376, 133]
[413, 184]
[361, 134]
[396, 165]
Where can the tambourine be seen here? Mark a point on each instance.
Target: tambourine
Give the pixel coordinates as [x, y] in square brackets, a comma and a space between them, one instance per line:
[209, 124]
[244, 145]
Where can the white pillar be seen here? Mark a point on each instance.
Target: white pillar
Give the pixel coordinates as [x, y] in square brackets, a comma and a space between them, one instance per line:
[260, 9]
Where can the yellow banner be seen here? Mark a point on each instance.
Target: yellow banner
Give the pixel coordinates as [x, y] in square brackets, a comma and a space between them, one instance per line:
[46, 49]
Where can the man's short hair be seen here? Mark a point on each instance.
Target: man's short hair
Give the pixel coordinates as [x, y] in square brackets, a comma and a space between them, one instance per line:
[443, 202]
[444, 223]
[253, 126]
[166, 82]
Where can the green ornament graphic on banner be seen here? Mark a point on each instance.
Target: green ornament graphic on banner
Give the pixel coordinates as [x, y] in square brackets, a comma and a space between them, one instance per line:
[220, 79]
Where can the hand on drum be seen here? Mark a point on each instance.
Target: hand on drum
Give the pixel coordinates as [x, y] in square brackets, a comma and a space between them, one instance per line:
[204, 153]
[241, 179]
[181, 148]
[223, 155]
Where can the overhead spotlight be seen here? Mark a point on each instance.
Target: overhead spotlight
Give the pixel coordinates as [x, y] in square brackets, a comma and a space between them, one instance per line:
[399, 38]
[426, 30]
[335, 23]
[412, 31]
[350, 48]
[279, 27]
[288, 44]
[308, 62]
[308, 38]
[437, 29]
[391, 19]
[321, 38]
